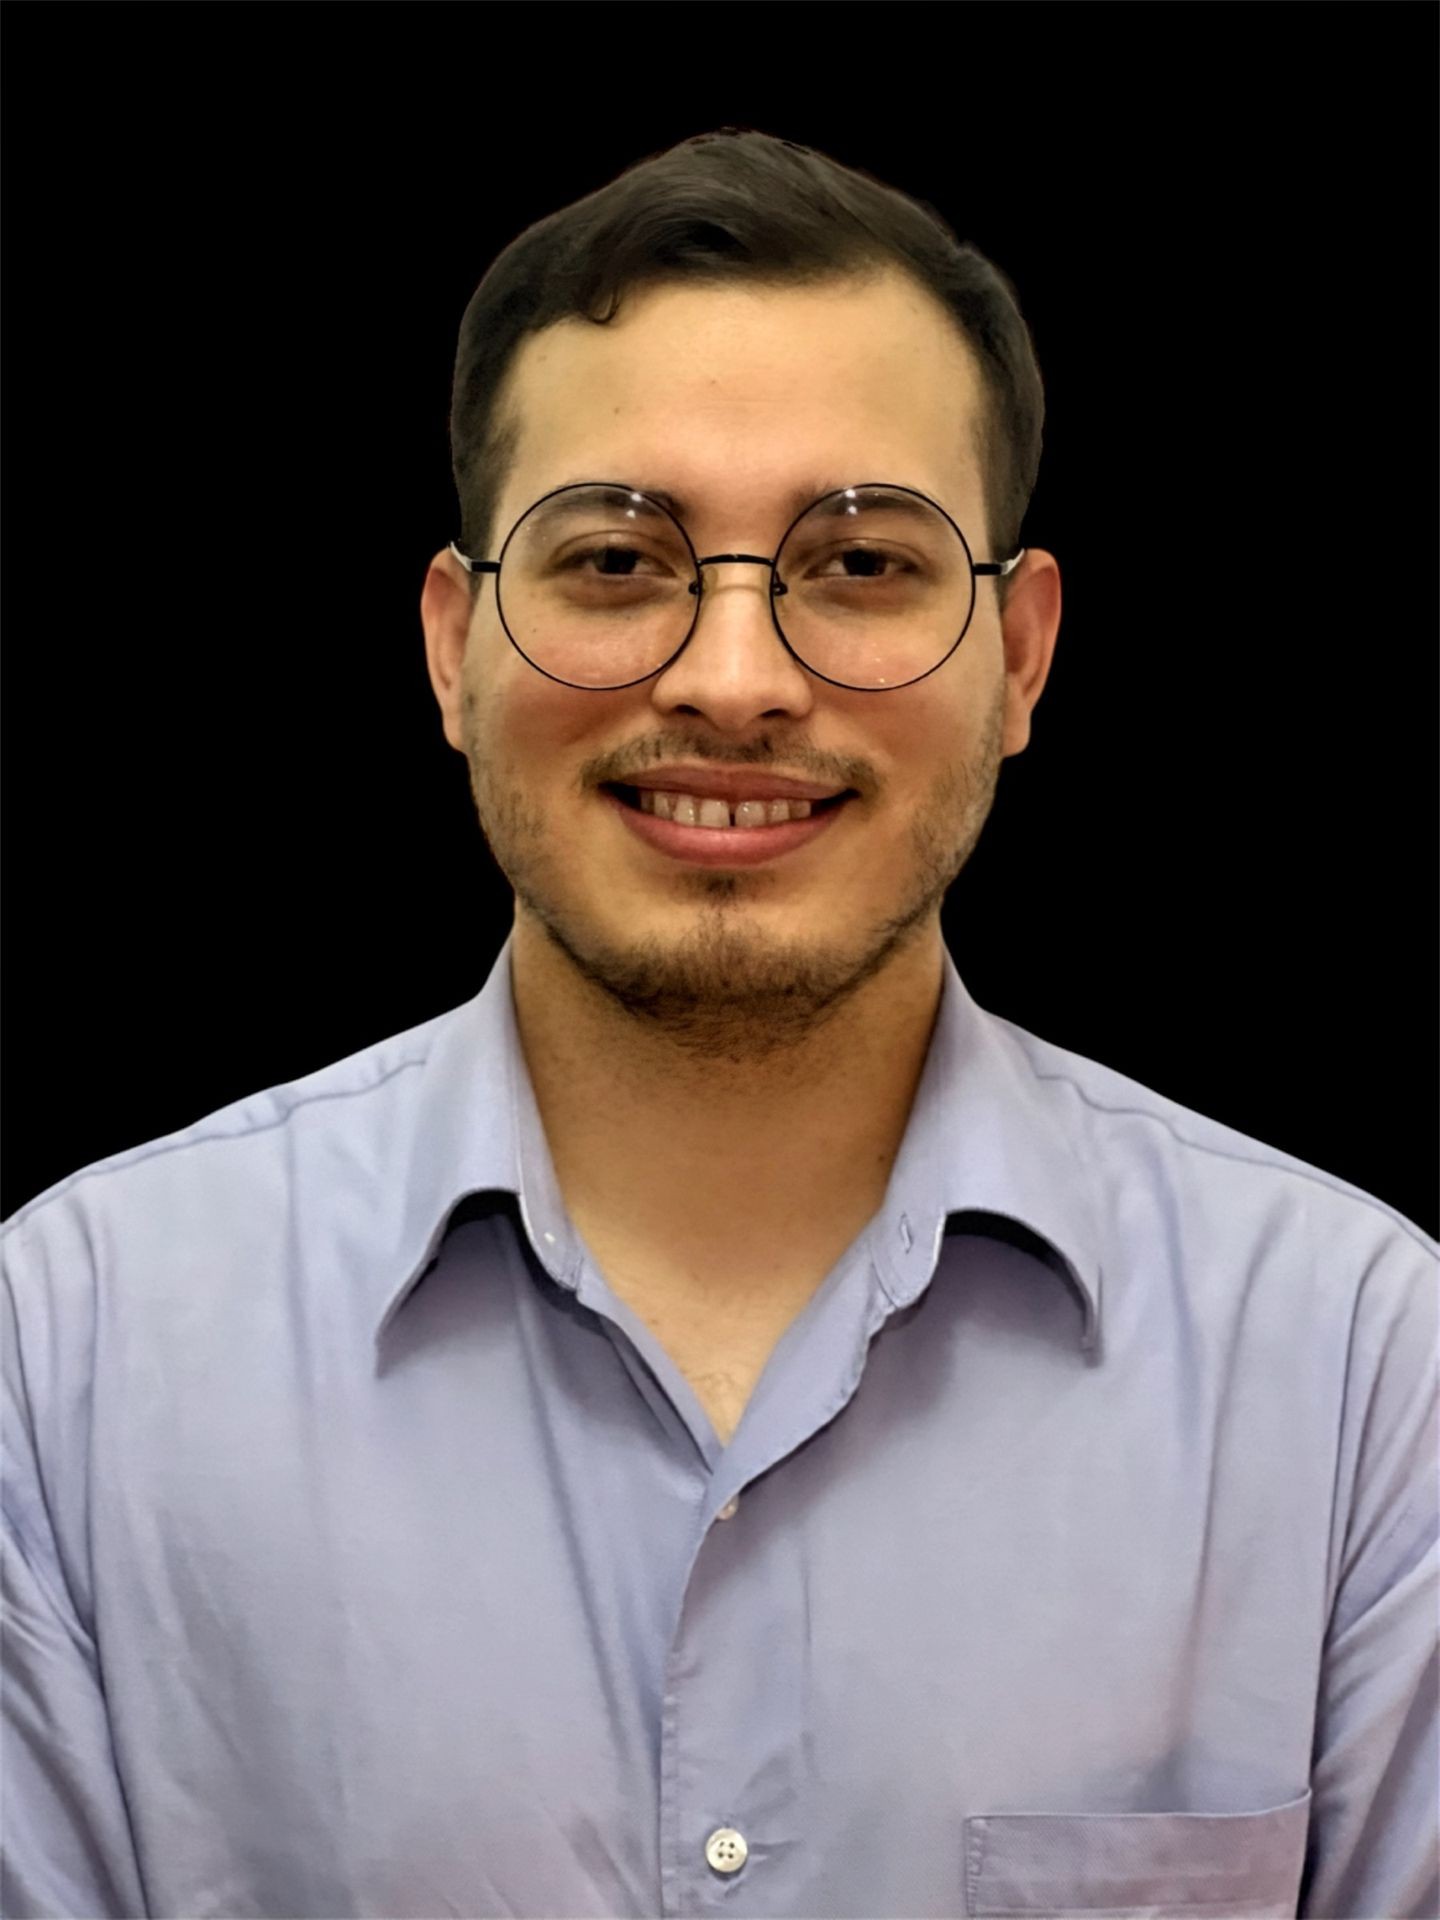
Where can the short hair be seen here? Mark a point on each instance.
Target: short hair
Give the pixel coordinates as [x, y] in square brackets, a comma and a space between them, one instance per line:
[739, 205]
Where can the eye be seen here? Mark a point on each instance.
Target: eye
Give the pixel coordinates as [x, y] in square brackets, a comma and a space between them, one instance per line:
[625, 555]
[877, 557]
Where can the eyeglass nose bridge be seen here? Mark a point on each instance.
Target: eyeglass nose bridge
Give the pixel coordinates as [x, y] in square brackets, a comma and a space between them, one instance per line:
[777, 585]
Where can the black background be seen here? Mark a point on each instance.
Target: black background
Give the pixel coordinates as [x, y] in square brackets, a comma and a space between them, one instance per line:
[238, 240]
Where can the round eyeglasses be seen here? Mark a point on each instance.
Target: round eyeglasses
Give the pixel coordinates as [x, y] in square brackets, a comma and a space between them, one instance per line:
[599, 587]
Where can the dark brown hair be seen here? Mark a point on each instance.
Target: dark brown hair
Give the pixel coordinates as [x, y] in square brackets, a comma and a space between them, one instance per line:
[739, 205]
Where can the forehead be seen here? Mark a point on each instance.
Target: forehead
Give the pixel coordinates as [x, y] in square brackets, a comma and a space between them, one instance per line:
[721, 399]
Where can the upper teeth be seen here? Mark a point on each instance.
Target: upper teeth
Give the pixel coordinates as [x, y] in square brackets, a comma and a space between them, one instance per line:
[688, 810]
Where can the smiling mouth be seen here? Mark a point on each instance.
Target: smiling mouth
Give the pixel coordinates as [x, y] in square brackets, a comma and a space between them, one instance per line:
[630, 796]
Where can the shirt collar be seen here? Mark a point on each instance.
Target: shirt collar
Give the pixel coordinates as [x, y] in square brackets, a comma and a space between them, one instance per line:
[986, 1137]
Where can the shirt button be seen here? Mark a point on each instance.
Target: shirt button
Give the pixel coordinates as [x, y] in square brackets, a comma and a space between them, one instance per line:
[730, 1508]
[726, 1850]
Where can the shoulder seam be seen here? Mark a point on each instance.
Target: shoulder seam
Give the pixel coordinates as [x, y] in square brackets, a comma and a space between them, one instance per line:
[137, 1156]
[1331, 1183]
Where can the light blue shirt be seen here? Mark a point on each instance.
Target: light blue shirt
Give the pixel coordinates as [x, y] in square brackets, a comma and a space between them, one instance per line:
[365, 1556]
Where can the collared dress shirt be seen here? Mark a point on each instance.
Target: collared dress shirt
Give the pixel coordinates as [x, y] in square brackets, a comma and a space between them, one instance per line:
[364, 1555]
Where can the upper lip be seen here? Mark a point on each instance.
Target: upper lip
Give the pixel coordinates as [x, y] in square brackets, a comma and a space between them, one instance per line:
[727, 785]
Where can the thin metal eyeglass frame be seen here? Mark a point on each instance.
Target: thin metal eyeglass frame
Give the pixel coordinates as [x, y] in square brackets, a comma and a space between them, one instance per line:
[777, 586]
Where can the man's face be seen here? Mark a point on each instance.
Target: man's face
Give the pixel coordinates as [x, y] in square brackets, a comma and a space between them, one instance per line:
[729, 399]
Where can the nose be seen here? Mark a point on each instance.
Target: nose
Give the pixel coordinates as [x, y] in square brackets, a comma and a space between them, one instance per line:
[734, 667]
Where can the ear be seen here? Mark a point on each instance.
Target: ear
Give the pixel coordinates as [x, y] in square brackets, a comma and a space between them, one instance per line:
[445, 614]
[1030, 626]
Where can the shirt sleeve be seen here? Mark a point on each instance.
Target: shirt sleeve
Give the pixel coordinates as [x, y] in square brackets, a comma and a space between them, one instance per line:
[1374, 1842]
[65, 1845]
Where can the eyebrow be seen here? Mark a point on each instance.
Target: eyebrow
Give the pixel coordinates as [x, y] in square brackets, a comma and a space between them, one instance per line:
[801, 495]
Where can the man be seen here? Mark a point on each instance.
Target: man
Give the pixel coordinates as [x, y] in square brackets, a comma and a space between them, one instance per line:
[720, 1420]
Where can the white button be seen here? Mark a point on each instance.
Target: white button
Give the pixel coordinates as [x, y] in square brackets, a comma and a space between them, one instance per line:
[726, 1850]
[730, 1508]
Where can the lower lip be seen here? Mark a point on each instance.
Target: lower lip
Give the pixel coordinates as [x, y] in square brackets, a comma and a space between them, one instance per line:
[723, 846]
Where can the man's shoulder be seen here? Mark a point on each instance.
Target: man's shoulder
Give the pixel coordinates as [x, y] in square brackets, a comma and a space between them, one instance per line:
[1147, 1151]
[237, 1155]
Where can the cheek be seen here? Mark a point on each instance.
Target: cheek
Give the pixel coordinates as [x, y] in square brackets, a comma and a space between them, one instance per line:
[515, 707]
[935, 776]
[925, 754]
[551, 739]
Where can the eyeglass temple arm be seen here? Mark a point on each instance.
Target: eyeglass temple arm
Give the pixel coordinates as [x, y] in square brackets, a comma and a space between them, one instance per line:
[1001, 567]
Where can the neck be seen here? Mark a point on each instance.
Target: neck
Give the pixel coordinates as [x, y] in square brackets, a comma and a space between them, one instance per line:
[709, 1134]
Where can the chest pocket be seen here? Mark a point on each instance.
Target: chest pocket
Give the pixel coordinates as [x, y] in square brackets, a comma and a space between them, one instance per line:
[1138, 1866]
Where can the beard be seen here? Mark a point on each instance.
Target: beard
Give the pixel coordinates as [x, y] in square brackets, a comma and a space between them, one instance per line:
[726, 990]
